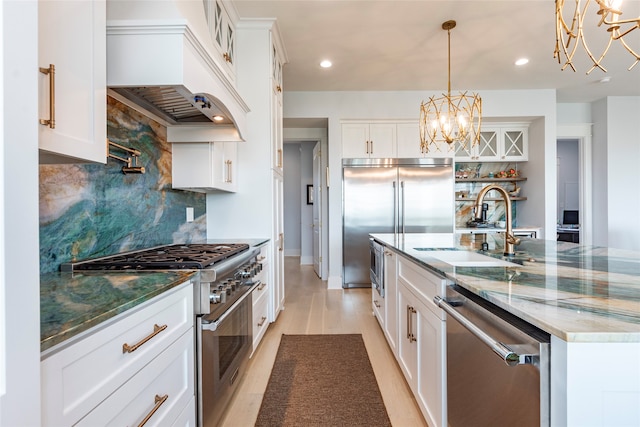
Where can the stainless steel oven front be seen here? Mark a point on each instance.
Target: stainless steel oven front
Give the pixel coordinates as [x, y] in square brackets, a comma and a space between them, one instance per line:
[224, 345]
[376, 268]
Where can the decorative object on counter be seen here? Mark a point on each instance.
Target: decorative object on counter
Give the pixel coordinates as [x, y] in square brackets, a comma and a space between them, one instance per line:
[569, 36]
[132, 162]
[449, 118]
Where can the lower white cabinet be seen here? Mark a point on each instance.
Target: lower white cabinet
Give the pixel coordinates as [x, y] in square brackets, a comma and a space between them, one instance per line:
[378, 305]
[113, 374]
[391, 299]
[421, 347]
[260, 299]
[205, 166]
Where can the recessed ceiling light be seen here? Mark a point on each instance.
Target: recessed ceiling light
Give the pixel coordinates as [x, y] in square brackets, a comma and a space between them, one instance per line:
[218, 118]
[605, 79]
[326, 63]
[522, 61]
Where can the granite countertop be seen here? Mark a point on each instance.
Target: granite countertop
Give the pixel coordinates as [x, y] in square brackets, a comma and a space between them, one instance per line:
[72, 303]
[577, 293]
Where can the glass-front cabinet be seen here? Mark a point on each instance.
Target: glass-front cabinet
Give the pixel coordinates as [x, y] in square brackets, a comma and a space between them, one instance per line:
[223, 33]
[498, 143]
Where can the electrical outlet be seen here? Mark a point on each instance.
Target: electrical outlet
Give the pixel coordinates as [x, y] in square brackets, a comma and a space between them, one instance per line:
[189, 214]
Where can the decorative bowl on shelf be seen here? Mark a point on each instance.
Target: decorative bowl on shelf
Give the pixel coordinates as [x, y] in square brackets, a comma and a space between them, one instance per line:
[515, 193]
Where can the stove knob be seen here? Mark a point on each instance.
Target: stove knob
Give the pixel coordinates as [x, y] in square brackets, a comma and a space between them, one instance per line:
[215, 298]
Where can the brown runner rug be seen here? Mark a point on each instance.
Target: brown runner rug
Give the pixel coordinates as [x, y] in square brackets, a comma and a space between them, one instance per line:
[322, 380]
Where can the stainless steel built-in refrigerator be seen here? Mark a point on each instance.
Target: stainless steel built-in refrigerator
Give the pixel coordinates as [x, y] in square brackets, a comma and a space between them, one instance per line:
[391, 196]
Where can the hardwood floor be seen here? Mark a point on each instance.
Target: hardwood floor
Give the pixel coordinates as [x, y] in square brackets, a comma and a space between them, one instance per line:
[312, 309]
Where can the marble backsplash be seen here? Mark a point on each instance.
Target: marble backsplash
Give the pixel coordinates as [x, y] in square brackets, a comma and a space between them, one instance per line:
[466, 172]
[91, 210]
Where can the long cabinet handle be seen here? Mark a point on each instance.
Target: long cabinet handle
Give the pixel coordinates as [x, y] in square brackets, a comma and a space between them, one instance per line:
[408, 321]
[411, 336]
[126, 348]
[159, 400]
[279, 162]
[371, 146]
[402, 217]
[51, 71]
[281, 248]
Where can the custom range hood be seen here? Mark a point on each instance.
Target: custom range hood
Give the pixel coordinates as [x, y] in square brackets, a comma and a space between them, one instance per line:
[160, 61]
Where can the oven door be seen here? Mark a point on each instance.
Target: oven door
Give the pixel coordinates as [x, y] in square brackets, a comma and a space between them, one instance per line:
[376, 268]
[223, 351]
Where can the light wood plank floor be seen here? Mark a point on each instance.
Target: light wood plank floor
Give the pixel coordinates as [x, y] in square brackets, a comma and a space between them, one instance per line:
[312, 309]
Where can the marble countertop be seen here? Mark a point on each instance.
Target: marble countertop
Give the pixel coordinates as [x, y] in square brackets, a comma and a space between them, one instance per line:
[72, 303]
[577, 293]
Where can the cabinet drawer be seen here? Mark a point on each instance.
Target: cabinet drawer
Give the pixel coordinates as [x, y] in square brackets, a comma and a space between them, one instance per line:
[171, 374]
[76, 379]
[260, 293]
[422, 283]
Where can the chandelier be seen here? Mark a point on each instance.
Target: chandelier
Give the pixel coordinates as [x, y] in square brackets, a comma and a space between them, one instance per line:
[568, 37]
[450, 119]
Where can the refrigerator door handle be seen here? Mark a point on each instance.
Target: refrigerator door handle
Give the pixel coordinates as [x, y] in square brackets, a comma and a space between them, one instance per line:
[402, 206]
[395, 210]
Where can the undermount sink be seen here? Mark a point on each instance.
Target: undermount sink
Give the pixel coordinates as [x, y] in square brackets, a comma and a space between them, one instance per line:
[467, 259]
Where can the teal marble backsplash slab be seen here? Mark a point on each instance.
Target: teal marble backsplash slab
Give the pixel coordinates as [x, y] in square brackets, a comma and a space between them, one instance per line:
[91, 210]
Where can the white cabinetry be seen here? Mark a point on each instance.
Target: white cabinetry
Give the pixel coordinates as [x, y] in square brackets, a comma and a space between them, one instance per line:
[223, 34]
[277, 266]
[118, 374]
[421, 343]
[205, 166]
[260, 299]
[391, 299]
[368, 140]
[498, 143]
[72, 39]
[408, 143]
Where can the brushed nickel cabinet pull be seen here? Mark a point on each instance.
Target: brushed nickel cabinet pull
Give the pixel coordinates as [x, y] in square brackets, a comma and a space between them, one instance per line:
[411, 336]
[279, 165]
[371, 147]
[262, 320]
[279, 88]
[126, 348]
[376, 303]
[262, 286]
[51, 71]
[281, 248]
[159, 400]
[367, 149]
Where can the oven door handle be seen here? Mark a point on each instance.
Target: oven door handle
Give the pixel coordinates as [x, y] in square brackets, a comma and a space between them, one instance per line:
[214, 325]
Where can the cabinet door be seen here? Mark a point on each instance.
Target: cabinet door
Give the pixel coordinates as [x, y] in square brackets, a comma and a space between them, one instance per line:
[378, 305]
[222, 33]
[72, 38]
[355, 140]
[277, 264]
[514, 144]
[382, 140]
[391, 300]
[488, 148]
[431, 387]
[204, 166]
[408, 143]
[407, 347]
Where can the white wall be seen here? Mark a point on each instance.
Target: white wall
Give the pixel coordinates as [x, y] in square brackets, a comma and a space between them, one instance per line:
[405, 105]
[292, 199]
[623, 179]
[20, 405]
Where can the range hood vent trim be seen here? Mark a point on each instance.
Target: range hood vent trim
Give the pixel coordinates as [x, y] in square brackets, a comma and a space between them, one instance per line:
[129, 48]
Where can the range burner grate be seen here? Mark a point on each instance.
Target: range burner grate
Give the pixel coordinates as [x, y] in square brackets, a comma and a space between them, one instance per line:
[171, 257]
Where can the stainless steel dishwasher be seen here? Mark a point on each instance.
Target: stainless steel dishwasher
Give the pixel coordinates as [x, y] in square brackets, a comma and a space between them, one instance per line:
[497, 365]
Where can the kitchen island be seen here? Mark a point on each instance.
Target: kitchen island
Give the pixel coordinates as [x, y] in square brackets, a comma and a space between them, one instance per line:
[587, 298]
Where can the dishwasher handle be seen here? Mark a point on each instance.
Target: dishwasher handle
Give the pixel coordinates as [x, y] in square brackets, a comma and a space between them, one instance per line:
[509, 356]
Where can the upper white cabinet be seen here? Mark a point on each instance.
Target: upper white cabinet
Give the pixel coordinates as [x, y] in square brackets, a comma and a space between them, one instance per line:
[368, 140]
[276, 110]
[223, 34]
[204, 167]
[408, 143]
[498, 143]
[72, 82]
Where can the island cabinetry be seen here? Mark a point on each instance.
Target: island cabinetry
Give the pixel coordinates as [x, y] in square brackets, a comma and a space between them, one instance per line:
[391, 299]
[123, 369]
[205, 167]
[260, 299]
[72, 81]
[421, 339]
[498, 143]
[368, 140]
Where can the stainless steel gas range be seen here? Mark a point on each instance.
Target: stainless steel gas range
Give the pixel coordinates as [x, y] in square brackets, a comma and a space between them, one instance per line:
[222, 304]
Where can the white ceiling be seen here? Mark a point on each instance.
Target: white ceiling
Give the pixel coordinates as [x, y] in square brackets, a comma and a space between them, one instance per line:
[395, 45]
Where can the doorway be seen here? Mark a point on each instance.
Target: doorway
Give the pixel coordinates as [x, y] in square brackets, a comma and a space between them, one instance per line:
[576, 191]
[568, 190]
